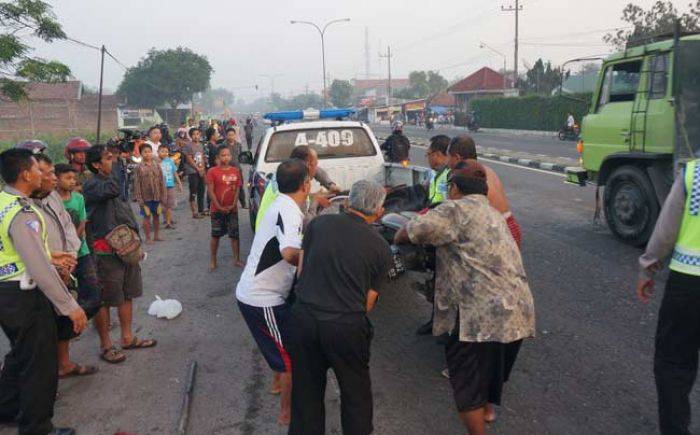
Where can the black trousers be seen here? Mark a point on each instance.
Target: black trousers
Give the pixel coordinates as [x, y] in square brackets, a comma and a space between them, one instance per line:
[29, 376]
[197, 188]
[249, 141]
[676, 354]
[315, 347]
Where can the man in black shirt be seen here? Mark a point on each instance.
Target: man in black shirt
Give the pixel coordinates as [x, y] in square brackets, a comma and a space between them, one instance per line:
[344, 265]
[397, 146]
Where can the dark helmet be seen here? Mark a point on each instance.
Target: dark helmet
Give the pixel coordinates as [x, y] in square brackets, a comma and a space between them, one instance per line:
[33, 145]
[76, 145]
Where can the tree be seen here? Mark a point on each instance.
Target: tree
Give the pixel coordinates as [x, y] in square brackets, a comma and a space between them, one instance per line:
[659, 19]
[166, 76]
[423, 84]
[436, 82]
[20, 19]
[540, 79]
[341, 93]
[215, 100]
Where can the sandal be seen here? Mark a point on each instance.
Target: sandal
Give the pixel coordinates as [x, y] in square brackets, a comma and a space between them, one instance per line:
[112, 355]
[139, 344]
[79, 370]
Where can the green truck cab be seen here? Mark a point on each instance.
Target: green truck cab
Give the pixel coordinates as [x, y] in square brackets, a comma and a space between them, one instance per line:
[642, 124]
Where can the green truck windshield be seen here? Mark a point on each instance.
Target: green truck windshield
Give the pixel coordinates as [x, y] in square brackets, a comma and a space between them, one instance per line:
[687, 95]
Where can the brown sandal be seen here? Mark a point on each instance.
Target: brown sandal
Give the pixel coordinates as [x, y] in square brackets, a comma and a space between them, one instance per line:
[139, 344]
[79, 370]
[112, 355]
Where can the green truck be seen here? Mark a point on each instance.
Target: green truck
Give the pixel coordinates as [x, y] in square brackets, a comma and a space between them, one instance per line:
[643, 124]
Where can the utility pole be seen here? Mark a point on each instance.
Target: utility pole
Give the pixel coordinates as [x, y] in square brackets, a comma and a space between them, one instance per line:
[99, 97]
[388, 56]
[517, 8]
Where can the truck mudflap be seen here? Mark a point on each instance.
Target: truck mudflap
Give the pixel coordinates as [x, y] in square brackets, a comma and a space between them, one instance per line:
[576, 175]
[396, 174]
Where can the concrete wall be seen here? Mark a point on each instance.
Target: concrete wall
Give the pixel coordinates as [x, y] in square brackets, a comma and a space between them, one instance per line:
[29, 119]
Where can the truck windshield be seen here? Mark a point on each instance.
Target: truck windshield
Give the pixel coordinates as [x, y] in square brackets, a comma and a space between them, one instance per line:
[329, 143]
[687, 96]
[621, 82]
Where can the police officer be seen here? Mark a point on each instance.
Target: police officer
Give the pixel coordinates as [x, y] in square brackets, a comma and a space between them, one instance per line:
[677, 234]
[29, 287]
[437, 159]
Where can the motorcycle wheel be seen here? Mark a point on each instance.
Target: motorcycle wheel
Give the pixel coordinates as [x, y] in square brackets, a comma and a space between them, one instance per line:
[562, 135]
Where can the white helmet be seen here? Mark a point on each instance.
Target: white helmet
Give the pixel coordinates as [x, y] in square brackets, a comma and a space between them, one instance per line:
[397, 125]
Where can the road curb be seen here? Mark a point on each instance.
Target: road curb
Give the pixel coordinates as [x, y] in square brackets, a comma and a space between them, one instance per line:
[519, 161]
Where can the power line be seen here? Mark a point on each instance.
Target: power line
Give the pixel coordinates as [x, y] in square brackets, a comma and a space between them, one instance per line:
[589, 32]
[124, 67]
[84, 44]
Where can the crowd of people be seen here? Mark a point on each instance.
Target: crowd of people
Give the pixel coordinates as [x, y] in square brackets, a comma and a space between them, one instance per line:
[311, 279]
[80, 215]
[70, 250]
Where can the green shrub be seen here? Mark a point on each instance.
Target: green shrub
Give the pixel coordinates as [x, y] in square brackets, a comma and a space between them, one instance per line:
[56, 143]
[530, 112]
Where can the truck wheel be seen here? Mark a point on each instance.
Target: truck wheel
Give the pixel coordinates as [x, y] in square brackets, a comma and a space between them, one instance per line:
[631, 207]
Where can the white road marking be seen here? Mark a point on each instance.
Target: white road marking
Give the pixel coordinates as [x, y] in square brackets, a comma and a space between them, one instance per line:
[524, 167]
[498, 162]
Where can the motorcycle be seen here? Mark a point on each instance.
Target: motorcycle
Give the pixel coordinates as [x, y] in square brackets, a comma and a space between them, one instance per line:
[473, 123]
[566, 133]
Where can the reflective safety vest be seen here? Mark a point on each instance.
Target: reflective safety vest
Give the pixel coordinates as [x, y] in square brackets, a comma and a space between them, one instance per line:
[11, 265]
[271, 193]
[686, 255]
[269, 196]
[438, 186]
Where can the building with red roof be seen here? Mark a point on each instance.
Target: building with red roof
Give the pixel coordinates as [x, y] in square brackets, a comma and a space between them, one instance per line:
[483, 83]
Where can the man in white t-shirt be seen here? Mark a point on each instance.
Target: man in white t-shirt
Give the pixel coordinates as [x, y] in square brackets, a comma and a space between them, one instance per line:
[268, 276]
[570, 122]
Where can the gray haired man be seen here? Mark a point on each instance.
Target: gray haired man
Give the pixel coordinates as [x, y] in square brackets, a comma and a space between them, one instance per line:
[343, 267]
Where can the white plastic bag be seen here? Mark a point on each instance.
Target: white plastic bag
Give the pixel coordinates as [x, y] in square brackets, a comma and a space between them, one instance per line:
[169, 308]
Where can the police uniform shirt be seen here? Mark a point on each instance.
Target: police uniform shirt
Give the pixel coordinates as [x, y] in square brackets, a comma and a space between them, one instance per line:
[60, 230]
[25, 233]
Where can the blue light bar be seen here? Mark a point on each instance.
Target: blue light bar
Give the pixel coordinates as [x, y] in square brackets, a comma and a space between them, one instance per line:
[292, 115]
[297, 115]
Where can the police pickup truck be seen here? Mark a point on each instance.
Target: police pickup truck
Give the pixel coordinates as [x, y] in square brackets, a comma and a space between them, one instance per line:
[347, 150]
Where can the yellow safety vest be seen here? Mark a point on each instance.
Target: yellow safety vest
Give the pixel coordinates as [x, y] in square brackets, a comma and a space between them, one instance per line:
[438, 186]
[686, 255]
[11, 265]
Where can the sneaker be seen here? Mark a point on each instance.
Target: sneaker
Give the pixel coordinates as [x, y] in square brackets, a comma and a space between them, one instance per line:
[445, 373]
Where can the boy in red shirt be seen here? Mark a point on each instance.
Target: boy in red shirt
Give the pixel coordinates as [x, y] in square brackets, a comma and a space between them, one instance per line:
[223, 184]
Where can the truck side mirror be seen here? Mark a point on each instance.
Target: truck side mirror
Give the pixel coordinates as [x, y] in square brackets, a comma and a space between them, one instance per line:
[246, 158]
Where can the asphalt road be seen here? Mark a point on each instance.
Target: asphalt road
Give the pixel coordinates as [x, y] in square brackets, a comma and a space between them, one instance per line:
[588, 371]
[535, 145]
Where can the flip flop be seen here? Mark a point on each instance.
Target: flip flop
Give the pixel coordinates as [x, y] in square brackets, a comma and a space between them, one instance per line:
[79, 370]
[112, 355]
[139, 344]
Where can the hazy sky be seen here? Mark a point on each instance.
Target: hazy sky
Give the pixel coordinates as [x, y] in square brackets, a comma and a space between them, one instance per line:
[244, 40]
